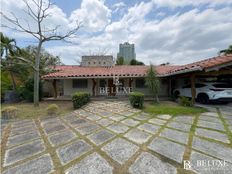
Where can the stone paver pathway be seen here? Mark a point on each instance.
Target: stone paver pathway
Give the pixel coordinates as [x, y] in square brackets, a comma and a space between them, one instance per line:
[112, 137]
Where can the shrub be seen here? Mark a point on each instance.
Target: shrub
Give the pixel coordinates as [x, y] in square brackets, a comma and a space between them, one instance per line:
[9, 112]
[136, 99]
[52, 109]
[184, 101]
[79, 99]
[27, 90]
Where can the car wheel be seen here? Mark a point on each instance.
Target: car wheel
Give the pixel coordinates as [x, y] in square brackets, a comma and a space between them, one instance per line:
[203, 98]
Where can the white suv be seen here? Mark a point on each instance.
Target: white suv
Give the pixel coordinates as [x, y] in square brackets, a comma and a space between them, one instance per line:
[207, 91]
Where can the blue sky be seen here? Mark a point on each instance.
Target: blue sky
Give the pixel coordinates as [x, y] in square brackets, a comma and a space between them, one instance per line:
[175, 31]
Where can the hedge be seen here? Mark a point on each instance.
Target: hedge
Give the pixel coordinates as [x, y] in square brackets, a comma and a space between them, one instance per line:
[136, 99]
[79, 99]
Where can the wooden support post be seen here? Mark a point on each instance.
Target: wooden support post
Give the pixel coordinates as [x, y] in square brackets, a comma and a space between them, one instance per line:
[169, 87]
[193, 89]
[93, 87]
[130, 83]
[54, 88]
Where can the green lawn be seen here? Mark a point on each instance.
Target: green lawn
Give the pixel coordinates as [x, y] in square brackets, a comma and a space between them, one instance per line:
[27, 110]
[171, 108]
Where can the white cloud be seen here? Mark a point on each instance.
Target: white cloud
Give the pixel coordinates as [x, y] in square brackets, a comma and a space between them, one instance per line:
[116, 7]
[11, 9]
[94, 14]
[178, 39]
[182, 3]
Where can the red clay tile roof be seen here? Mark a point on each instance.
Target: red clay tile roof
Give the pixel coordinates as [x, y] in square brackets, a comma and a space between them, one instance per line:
[68, 71]
[203, 64]
[124, 71]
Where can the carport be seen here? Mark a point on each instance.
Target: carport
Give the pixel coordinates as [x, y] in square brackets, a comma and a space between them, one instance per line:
[217, 68]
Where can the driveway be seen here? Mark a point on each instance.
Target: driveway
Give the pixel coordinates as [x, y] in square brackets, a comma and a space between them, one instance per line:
[111, 137]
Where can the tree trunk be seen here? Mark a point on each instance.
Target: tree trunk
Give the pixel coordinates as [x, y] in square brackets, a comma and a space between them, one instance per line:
[156, 99]
[36, 75]
[13, 81]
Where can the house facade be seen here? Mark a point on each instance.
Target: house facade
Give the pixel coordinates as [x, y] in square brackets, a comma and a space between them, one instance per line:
[119, 80]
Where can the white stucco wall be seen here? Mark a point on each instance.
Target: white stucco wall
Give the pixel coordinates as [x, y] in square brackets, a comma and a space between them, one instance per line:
[69, 90]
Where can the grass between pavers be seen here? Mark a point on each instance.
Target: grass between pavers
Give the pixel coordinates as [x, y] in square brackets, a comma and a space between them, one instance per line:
[27, 110]
[171, 108]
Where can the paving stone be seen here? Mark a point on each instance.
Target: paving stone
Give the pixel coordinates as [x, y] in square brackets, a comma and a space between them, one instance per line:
[229, 122]
[40, 165]
[72, 151]
[25, 123]
[49, 129]
[165, 117]
[142, 116]
[70, 117]
[217, 168]
[149, 128]
[105, 113]
[94, 117]
[92, 164]
[101, 137]
[61, 137]
[19, 139]
[230, 127]
[84, 113]
[105, 122]
[130, 122]
[118, 128]
[116, 117]
[211, 125]
[49, 121]
[212, 114]
[79, 123]
[180, 126]
[212, 134]
[175, 135]
[228, 117]
[120, 150]
[167, 148]
[214, 149]
[137, 136]
[150, 164]
[22, 152]
[184, 119]
[22, 130]
[127, 113]
[88, 129]
[210, 119]
[157, 121]
[134, 110]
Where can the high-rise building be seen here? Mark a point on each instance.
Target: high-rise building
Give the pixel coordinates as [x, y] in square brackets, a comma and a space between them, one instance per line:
[127, 51]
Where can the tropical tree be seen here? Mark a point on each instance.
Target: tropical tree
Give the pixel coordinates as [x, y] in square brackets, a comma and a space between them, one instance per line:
[152, 82]
[226, 51]
[8, 50]
[120, 61]
[47, 60]
[135, 62]
[38, 11]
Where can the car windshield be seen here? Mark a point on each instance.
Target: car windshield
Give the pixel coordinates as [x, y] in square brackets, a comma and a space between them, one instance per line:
[223, 85]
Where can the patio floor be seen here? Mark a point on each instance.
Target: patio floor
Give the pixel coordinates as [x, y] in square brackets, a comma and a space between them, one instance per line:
[111, 137]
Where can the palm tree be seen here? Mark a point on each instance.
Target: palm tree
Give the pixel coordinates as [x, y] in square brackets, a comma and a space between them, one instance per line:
[226, 51]
[8, 48]
[152, 82]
